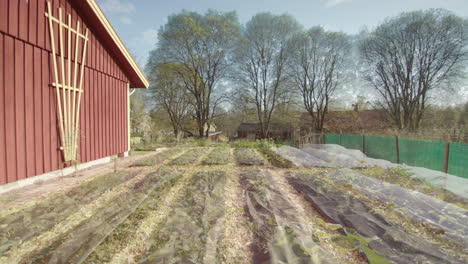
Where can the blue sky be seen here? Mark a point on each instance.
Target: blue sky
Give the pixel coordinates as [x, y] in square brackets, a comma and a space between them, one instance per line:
[137, 21]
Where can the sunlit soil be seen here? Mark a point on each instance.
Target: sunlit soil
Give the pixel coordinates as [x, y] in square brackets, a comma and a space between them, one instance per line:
[225, 205]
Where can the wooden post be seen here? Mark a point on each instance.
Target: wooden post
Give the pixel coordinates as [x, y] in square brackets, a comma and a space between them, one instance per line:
[397, 153]
[363, 142]
[339, 139]
[446, 156]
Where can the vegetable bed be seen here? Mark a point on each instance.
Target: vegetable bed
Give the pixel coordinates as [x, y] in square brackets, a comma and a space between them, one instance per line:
[218, 156]
[248, 157]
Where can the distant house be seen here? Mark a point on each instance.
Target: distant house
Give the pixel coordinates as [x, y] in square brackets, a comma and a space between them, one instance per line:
[253, 131]
[348, 122]
[191, 129]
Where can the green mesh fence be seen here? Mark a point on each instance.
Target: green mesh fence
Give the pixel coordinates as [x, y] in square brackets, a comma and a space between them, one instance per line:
[351, 141]
[332, 139]
[458, 159]
[422, 153]
[378, 147]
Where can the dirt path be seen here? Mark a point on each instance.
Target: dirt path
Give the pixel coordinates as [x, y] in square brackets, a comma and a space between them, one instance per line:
[237, 235]
[30, 194]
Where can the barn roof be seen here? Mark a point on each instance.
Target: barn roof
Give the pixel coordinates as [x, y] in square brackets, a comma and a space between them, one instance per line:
[108, 35]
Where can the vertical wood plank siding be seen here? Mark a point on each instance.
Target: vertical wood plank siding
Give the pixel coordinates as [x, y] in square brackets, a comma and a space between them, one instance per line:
[29, 131]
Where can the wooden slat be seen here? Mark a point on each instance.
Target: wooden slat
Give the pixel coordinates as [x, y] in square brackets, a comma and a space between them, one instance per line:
[41, 25]
[13, 20]
[38, 107]
[66, 27]
[119, 115]
[101, 115]
[119, 120]
[47, 121]
[3, 173]
[32, 27]
[23, 20]
[19, 111]
[113, 112]
[54, 136]
[29, 110]
[94, 116]
[86, 106]
[4, 16]
[126, 117]
[108, 135]
[10, 131]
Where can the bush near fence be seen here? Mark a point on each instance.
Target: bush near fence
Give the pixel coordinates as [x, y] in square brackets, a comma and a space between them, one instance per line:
[422, 153]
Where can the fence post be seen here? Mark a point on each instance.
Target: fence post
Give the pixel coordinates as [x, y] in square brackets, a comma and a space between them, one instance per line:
[446, 156]
[339, 139]
[397, 153]
[363, 142]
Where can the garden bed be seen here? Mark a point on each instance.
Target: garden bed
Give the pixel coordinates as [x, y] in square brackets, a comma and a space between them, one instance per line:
[218, 156]
[248, 157]
[158, 158]
[190, 157]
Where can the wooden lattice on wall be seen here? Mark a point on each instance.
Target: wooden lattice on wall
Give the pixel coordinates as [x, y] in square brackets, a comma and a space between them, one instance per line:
[66, 82]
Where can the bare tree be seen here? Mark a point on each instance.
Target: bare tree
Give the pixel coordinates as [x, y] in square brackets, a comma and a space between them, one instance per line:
[201, 45]
[410, 56]
[168, 92]
[317, 65]
[261, 63]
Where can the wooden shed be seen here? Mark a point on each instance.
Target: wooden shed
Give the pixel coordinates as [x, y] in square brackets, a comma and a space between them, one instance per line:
[65, 77]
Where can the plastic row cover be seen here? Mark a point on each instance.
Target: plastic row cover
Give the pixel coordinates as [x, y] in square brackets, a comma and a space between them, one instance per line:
[418, 206]
[335, 156]
[365, 228]
[280, 234]
[27, 223]
[194, 228]
[452, 183]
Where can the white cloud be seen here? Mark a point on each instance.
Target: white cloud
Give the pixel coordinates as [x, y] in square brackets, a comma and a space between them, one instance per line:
[333, 3]
[150, 36]
[126, 20]
[117, 6]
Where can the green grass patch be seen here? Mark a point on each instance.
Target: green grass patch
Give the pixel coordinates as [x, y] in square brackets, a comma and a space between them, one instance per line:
[157, 158]
[248, 156]
[218, 156]
[190, 157]
[402, 178]
[275, 159]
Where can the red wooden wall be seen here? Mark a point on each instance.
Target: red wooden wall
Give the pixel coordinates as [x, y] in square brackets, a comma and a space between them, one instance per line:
[29, 130]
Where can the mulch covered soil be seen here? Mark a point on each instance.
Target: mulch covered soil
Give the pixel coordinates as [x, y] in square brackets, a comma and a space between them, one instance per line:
[203, 205]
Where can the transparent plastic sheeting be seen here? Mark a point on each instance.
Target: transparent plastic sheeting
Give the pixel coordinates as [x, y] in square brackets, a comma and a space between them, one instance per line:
[371, 232]
[418, 206]
[281, 235]
[335, 156]
[194, 228]
[301, 158]
[452, 183]
[73, 246]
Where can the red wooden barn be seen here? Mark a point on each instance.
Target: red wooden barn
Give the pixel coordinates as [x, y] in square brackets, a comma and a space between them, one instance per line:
[65, 78]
